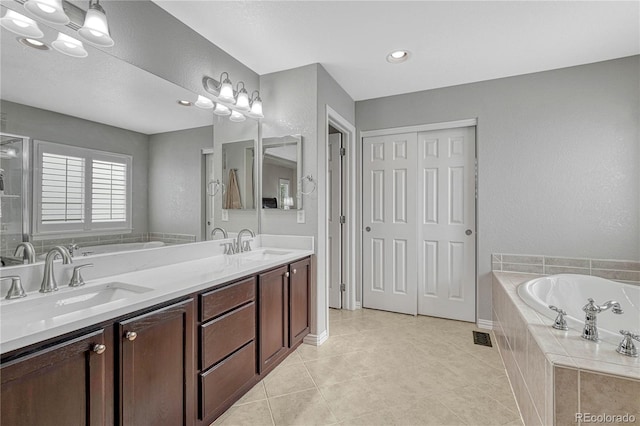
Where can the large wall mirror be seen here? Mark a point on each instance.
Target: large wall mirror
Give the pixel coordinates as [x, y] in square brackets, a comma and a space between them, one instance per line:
[128, 128]
[281, 172]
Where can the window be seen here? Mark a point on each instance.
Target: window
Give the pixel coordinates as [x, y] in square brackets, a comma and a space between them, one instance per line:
[79, 190]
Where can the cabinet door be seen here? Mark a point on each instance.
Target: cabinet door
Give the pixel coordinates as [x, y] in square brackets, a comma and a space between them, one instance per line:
[300, 273]
[66, 384]
[273, 316]
[157, 375]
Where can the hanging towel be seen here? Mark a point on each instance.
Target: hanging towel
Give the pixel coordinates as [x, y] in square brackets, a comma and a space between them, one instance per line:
[232, 198]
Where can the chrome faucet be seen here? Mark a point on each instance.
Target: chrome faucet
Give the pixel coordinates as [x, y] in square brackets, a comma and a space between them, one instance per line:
[216, 229]
[246, 246]
[26, 250]
[49, 281]
[590, 331]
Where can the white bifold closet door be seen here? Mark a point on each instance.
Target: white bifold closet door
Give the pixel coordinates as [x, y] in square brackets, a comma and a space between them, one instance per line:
[419, 220]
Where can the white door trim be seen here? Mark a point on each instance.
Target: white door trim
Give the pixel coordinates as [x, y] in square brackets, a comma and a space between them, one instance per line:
[420, 128]
[349, 143]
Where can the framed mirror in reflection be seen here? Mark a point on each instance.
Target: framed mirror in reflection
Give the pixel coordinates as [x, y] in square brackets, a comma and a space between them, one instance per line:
[117, 143]
[282, 172]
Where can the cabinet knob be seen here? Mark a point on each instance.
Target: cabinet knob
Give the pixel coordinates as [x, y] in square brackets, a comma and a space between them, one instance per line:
[294, 271]
[99, 348]
[286, 274]
[131, 335]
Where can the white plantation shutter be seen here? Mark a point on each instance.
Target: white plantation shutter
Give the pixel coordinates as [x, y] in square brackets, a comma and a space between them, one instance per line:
[80, 190]
[62, 189]
[109, 192]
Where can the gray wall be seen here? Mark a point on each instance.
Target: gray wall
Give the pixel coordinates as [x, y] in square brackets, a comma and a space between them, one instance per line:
[176, 168]
[558, 156]
[50, 126]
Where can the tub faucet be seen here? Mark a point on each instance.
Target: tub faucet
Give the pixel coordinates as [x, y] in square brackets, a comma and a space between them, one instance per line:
[49, 281]
[590, 331]
[246, 246]
[27, 251]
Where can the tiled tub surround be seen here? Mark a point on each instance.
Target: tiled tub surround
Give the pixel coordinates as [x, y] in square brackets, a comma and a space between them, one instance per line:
[170, 271]
[617, 270]
[556, 374]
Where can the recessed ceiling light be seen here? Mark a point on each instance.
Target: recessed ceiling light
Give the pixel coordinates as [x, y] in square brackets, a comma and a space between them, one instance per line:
[398, 56]
[184, 103]
[36, 44]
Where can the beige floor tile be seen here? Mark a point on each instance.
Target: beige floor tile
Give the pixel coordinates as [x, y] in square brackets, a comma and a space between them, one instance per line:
[287, 379]
[476, 409]
[336, 369]
[257, 393]
[301, 408]
[427, 411]
[294, 358]
[354, 398]
[254, 414]
[377, 418]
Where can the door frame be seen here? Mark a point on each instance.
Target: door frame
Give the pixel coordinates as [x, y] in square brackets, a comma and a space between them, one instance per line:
[348, 131]
[469, 122]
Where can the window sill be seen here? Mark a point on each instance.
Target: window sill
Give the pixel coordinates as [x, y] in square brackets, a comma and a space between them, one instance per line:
[95, 233]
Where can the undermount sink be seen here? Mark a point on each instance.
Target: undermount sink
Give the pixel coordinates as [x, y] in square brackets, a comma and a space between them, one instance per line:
[49, 306]
[263, 255]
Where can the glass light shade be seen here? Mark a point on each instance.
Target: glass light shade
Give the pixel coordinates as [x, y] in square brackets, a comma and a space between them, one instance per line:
[48, 10]
[242, 100]
[226, 91]
[204, 103]
[221, 110]
[96, 29]
[21, 25]
[237, 117]
[69, 46]
[256, 108]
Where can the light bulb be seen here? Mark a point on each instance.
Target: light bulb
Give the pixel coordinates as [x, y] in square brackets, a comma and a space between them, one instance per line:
[256, 108]
[237, 117]
[21, 25]
[48, 10]
[226, 90]
[69, 46]
[242, 99]
[96, 29]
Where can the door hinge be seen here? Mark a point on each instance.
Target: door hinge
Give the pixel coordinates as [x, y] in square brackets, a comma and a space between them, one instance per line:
[343, 152]
[343, 287]
[343, 220]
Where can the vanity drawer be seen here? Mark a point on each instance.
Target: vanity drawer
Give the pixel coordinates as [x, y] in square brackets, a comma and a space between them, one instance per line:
[219, 301]
[223, 335]
[225, 379]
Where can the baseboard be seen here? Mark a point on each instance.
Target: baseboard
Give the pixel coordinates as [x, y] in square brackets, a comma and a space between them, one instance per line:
[316, 340]
[486, 324]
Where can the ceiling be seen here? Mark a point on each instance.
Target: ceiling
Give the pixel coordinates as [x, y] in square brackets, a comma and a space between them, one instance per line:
[451, 42]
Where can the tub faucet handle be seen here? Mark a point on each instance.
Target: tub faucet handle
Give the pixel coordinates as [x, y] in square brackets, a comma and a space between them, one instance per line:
[560, 323]
[627, 347]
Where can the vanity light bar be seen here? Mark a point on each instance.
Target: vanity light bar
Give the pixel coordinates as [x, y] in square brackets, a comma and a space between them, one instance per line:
[237, 105]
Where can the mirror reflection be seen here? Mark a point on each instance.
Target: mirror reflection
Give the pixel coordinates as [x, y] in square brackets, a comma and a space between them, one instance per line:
[281, 172]
[119, 162]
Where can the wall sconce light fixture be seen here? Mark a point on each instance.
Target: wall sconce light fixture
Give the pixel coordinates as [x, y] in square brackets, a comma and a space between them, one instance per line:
[21, 25]
[96, 28]
[69, 46]
[50, 11]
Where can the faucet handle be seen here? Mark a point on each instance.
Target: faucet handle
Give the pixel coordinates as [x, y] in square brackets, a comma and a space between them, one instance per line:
[560, 323]
[229, 248]
[627, 347]
[246, 245]
[16, 291]
[76, 278]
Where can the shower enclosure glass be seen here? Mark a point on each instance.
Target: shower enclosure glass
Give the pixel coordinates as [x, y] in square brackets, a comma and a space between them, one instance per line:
[14, 165]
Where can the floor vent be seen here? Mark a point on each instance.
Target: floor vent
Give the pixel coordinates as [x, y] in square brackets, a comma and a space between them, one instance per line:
[480, 338]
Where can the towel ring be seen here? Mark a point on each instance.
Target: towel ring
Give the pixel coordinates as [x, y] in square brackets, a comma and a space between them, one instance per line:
[310, 179]
[213, 187]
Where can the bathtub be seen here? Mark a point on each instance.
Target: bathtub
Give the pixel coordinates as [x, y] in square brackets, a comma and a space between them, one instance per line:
[110, 248]
[570, 292]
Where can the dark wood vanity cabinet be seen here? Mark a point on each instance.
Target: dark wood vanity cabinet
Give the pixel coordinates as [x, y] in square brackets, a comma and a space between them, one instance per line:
[70, 383]
[156, 367]
[273, 306]
[227, 353]
[299, 300]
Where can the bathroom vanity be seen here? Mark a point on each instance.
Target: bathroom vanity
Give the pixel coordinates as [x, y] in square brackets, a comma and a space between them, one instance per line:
[184, 360]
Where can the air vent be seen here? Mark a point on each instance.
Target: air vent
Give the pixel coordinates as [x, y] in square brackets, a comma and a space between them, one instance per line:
[480, 338]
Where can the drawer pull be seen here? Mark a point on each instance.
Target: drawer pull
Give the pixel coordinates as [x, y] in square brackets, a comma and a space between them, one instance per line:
[286, 274]
[294, 271]
[99, 348]
[131, 335]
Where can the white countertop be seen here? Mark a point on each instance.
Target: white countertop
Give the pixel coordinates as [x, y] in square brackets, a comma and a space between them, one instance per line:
[22, 321]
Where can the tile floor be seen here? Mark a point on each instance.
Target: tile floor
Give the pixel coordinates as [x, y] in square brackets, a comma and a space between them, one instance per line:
[381, 368]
